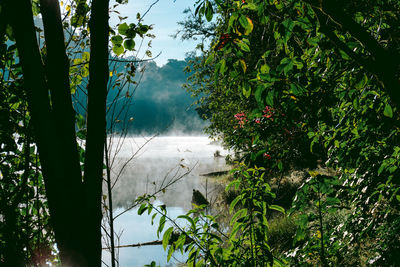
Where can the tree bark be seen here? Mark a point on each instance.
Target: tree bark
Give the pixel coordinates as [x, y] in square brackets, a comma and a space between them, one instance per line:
[75, 205]
[383, 64]
[96, 125]
[68, 210]
[56, 151]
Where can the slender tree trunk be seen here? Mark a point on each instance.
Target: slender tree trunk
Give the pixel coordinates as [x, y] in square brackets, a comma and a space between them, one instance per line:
[68, 211]
[110, 205]
[96, 125]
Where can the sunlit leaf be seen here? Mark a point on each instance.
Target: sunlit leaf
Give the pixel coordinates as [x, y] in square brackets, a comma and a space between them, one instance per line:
[388, 112]
[166, 237]
[243, 65]
[118, 49]
[243, 46]
[123, 28]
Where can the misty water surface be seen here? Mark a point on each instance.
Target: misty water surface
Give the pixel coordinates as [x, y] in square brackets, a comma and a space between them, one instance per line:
[159, 162]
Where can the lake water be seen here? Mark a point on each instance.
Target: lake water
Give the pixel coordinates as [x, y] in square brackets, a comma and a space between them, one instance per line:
[159, 162]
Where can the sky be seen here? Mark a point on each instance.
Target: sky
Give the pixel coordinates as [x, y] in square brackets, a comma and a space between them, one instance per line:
[164, 16]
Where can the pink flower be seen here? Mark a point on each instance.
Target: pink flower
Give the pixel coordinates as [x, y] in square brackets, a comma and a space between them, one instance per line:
[257, 120]
[267, 109]
[241, 117]
[267, 156]
[268, 112]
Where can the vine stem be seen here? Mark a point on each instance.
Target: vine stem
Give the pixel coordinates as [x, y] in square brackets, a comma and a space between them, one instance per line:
[110, 204]
[321, 229]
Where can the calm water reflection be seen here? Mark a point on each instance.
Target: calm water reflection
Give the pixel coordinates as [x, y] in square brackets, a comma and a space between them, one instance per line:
[162, 160]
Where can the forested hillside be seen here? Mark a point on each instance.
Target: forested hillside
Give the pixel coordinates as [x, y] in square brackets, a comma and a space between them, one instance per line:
[159, 104]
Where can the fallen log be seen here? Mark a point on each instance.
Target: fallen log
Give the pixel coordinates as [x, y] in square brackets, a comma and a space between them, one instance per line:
[218, 173]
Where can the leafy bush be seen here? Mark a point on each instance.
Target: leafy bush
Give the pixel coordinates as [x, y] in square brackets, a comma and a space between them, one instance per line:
[245, 243]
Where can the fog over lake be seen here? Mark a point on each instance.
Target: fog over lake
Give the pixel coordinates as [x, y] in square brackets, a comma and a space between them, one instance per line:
[160, 161]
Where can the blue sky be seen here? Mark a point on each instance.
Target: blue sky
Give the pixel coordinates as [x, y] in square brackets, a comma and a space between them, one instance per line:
[164, 16]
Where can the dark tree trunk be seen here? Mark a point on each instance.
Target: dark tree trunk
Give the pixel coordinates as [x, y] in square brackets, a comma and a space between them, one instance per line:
[68, 212]
[380, 62]
[75, 205]
[96, 124]
[12, 254]
[55, 143]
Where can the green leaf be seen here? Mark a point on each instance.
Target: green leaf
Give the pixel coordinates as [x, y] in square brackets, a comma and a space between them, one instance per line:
[344, 55]
[123, 28]
[330, 201]
[361, 84]
[249, 27]
[234, 183]
[250, 6]
[131, 32]
[180, 242]
[166, 237]
[118, 49]
[232, 19]
[86, 57]
[280, 166]
[288, 24]
[152, 218]
[222, 67]
[209, 11]
[296, 89]
[286, 65]
[234, 202]
[243, 21]
[298, 64]
[277, 208]
[239, 214]
[129, 44]
[243, 46]
[258, 95]
[246, 91]
[388, 112]
[264, 68]
[161, 225]
[142, 209]
[198, 9]
[382, 168]
[189, 219]
[337, 143]
[170, 251]
[209, 59]
[117, 40]
[269, 99]
[85, 71]
[243, 65]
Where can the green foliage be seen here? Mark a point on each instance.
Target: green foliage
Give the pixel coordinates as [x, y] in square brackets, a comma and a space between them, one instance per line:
[245, 244]
[25, 234]
[315, 201]
[124, 40]
[314, 82]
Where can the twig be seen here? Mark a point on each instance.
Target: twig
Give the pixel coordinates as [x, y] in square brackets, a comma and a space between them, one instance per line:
[151, 243]
[134, 60]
